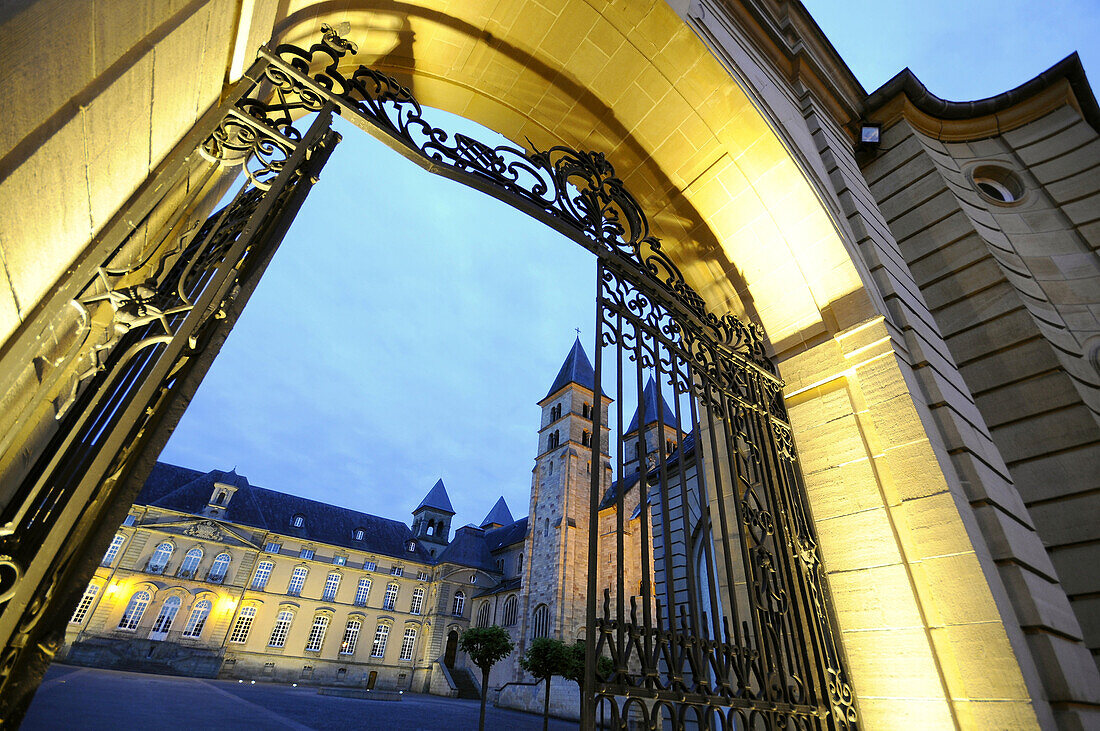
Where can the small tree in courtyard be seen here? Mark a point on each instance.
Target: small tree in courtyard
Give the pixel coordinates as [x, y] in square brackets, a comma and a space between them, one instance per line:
[486, 646]
[575, 671]
[546, 658]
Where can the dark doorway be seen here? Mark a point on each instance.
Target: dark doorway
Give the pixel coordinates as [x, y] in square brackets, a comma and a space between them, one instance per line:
[371, 678]
[452, 648]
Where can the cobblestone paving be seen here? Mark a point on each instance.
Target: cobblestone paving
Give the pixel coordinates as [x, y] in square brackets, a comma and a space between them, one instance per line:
[85, 698]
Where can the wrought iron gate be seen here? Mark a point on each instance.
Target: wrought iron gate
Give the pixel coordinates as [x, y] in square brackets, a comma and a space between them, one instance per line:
[728, 625]
[712, 612]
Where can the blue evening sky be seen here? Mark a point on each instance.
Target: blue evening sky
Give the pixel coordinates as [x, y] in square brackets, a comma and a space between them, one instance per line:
[408, 325]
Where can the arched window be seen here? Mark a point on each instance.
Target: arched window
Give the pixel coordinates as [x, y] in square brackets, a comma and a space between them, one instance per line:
[298, 521]
[263, 573]
[190, 563]
[458, 604]
[167, 615]
[378, 649]
[431, 528]
[391, 597]
[221, 498]
[197, 620]
[540, 623]
[85, 604]
[297, 581]
[362, 591]
[243, 624]
[332, 583]
[112, 550]
[351, 636]
[483, 615]
[417, 601]
[553, 440]
[546, 526]
[550, 467]
[407, 644]
[159, 560]
[586, 439]
[317, 633]
[130, 618]
[281, 628]
[586, 411]
[510, 613]
[219, 568]
[555, 412]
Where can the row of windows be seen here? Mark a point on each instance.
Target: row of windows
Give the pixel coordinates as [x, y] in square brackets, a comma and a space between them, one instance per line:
[299, 521]
[135, 610]
[332, 585]
[316, 639]
[188, 568]
[555, 411]
[308, 554]
[554, 441]
[509, 613]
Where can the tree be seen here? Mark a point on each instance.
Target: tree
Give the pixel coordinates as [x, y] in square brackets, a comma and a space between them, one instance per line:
[575, 670]
[486, 646]
[546, 658]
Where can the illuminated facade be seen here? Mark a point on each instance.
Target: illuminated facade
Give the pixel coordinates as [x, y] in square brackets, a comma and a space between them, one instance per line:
[925, 271]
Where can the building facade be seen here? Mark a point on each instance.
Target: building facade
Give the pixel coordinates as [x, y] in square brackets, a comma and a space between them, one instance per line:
[925, 272]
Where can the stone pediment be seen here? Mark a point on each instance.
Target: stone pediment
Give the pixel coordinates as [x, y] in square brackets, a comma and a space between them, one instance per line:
[206, 530]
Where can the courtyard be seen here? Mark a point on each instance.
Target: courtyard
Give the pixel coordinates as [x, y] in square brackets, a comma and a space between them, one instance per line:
[85, 698]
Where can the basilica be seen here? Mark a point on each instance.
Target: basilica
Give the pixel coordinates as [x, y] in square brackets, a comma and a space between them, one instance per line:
[210, 575]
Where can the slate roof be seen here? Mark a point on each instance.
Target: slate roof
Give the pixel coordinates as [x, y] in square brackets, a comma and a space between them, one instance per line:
[576, 369]
[500, 514]
[187, 491]
[507, 535]
[649, 399]
[436, 499]
[506, 585]
[469, 548]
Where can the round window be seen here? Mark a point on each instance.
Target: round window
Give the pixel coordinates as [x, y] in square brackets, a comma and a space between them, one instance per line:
[997, 184]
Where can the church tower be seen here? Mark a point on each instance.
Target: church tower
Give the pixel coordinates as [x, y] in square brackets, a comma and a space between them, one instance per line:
[432, 517]
[556, 584]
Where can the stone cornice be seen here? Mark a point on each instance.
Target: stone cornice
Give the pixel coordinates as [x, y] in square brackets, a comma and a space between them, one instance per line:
[904, 96]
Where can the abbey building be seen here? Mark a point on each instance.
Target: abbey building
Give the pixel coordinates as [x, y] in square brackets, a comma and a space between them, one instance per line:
[211, 575]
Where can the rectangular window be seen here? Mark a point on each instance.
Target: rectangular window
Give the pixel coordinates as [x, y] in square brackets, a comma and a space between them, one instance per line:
[317, 633]
[391, 597]
[129, 520]
[370, 566]
[362, 592]
[297, 581]
[243, 625]
[273, 547]
[417, 601]
[85, 604]
[332, 583]
[422, 576]
[407, 643]
[306, 553]
[340, 560]
[397, 571]
[282, 626]
[380, 636]
[112, 550]
[351, 637]
[263, 573]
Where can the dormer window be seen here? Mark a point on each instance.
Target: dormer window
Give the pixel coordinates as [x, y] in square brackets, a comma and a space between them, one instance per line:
[298, 521]
[410, 546]
[360, 534]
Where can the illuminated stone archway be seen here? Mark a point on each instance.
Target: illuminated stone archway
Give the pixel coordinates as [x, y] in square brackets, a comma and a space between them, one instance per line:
[751, 227]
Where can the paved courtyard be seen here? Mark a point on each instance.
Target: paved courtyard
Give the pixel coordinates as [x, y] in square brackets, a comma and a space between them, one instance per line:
[84, 698]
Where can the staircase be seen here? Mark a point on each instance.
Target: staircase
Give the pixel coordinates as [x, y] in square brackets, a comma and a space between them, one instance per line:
[464, 682]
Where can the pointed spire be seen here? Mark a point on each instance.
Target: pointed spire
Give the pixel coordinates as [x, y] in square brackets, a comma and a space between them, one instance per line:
[436, 499]
[649, 399]
[499, 515]
[576, 369]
